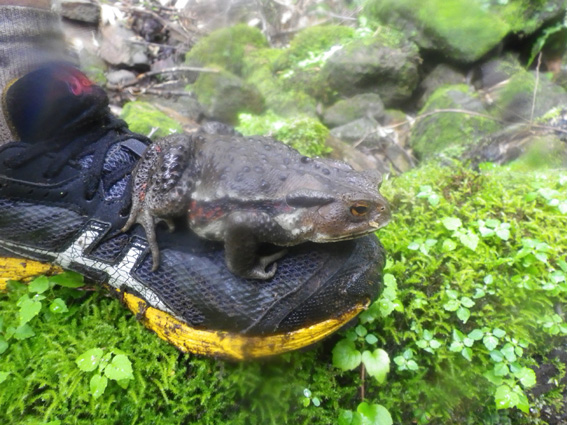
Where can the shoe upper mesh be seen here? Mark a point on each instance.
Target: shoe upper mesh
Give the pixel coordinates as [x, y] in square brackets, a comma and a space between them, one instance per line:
[111, 249]
[42, 226]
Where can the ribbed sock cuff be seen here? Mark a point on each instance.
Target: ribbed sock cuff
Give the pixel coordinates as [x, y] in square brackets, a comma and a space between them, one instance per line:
[28, 38]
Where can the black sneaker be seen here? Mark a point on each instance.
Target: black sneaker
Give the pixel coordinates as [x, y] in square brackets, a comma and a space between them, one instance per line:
[65, 195]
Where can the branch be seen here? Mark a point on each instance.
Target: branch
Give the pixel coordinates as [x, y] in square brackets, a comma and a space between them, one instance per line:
[535, 87]
[177, 69]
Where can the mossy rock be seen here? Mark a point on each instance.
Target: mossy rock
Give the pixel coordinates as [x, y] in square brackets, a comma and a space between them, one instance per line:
[227, 48]
[225, 95]
[496, 71]
[374, 65]
[450, 132]
[519, 101]
[146, 119]
[527, 16]
[360, 106]
[299, 67]
[258, 70]
[459, 29]
[546, 152]
[311, 42]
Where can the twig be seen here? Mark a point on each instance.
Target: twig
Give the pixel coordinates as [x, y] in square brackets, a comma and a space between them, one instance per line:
[177, 69]
[535, 87]
[159, 92]
[442, 111]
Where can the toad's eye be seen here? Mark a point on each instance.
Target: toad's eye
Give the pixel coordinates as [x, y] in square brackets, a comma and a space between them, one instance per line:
[359, 209]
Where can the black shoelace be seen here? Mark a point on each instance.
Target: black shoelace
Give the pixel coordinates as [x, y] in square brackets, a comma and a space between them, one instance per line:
[95, 142]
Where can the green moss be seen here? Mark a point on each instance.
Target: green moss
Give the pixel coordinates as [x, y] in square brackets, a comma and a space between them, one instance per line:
[387, 36]
[227, 47]
[146, 119]
[305, 134]
[258, 70]
[433, 24]
[311, 42]
[450, 132]
[299, 67]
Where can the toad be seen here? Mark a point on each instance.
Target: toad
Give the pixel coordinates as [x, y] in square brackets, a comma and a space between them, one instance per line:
[247, 191]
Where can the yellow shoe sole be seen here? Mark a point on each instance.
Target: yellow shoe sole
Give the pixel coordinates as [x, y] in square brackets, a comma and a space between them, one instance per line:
[222, 344]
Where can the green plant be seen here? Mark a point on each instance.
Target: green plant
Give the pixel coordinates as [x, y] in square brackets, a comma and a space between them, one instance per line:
[38, 298]
[113, 365]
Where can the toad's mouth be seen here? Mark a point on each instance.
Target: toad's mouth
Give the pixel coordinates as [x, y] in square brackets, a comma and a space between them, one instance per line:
[373, 226]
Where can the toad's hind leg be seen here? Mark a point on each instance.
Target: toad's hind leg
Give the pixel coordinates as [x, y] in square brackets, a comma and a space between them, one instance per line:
[245, 231]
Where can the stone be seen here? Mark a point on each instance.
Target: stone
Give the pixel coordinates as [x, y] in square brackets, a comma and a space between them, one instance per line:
[518, 100]
[120, 78]
[377, 141]
[521, 145]
[375, 65]
[118, 49]
[80, 10]
[441, 75]
[444, 126]
[495, 71]
[458, 29]
[225, 95]
[359, 106]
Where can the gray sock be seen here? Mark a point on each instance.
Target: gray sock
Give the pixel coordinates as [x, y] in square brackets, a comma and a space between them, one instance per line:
[28, 38]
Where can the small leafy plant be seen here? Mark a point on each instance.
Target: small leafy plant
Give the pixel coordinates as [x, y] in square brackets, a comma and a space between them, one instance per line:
[38, 298]
[114, 365]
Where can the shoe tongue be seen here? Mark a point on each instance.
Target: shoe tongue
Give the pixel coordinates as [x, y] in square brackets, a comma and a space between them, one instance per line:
[56, 100]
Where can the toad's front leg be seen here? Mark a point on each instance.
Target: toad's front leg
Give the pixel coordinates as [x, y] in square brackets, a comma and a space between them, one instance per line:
[244, 232]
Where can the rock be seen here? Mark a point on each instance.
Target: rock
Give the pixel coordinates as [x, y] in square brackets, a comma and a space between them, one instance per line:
[363, 131]
[347, 110]
[496, 71]
[435, 132]
[441, 75]
[226, 48]
[148, 120]
[118, 49]
[377, 141]
[358, 160]
[515, 100]
[382, 64]
[528, 17]
[224, 95]
[525, 147]
[80, 10]
[120, 78]
[458, 29]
